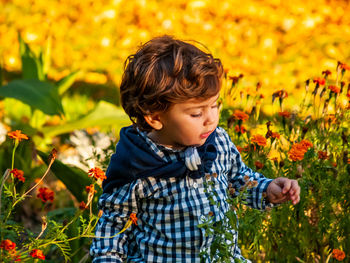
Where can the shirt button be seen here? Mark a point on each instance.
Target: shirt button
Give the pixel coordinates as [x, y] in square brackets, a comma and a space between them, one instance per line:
[195, 185]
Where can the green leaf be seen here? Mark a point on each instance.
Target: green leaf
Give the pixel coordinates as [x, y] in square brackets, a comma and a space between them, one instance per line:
[32, 67]
[74, 179]
[104, 114]
[35, 93]
[64, 83]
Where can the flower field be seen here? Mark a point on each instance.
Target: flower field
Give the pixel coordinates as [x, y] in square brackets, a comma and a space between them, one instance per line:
[285, 102]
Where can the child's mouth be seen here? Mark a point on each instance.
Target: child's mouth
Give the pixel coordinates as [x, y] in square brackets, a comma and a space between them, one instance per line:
[205, 135]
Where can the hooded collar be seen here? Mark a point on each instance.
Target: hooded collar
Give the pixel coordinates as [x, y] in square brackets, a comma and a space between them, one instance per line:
[134, 159]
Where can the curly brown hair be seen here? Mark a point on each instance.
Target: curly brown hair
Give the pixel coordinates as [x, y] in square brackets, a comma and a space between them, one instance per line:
[165, 71]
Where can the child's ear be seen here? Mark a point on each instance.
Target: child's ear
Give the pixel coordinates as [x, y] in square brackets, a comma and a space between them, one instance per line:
[154, 121]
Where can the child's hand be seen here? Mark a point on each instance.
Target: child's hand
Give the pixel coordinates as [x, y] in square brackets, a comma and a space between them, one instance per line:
[283, 189]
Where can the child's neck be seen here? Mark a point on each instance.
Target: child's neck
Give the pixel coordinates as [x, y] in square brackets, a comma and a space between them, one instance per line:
[155, 137]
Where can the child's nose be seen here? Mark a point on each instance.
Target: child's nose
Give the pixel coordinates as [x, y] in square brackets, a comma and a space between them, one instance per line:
[210, 118]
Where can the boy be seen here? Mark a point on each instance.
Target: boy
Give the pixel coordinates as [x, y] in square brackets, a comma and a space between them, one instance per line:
[170, 90]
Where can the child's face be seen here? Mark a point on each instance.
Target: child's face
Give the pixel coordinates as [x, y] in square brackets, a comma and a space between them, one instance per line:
[188, 123]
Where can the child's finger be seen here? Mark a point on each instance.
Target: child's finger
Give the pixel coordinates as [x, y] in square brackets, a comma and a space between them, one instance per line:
[286, 187]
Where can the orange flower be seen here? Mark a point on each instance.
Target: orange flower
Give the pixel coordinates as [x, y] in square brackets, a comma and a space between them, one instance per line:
[90, 189]
[8, 245]
[284, 114]
[320, 81]
[259, 165]
[240, 129]
[240, 115]
[18, 174]
[97, 173]
[334, 88]
[344, 66]
[275, 135]
[298, 150]
[259, 140]
[307, 144]
[82, 205]
[322, 155]
[133, 218]
[17, 135]
[45, 194]
[338, 254]
[37, 253]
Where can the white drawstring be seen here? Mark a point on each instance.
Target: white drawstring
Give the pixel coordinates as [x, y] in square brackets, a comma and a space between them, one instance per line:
[192, 159]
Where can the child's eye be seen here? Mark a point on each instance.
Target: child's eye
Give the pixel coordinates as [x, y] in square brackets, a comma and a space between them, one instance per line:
[214, 106]
[196, 115]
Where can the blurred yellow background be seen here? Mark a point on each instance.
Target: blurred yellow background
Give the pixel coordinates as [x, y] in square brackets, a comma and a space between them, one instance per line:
[279, 43]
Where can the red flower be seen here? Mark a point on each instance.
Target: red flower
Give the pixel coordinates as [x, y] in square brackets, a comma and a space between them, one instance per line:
[338, 254]
[259, 140]
[45, 194]
[8, 245]
[334, 88]
[18, 174]
[284, 114]
[82, 205]
[259, 165]
[240, 129]
[322, 155]
[17, 135]
[37, 253]
[326, 73]
[90, 189]
[320, 81]
[97, 173]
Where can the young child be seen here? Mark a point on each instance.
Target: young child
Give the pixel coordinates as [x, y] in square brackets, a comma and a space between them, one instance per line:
[170, 90]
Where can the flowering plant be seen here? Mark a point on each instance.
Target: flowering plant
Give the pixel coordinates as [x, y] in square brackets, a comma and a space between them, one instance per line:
[20, 244]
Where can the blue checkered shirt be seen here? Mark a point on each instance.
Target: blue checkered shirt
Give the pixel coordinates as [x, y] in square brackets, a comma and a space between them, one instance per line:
[169, 210]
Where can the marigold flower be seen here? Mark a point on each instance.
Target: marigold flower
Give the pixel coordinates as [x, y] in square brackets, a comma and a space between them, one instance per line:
[275, 135]
[307, 144]
[320, 81]
[17, 174]
[90, 189]
[97, 173]
[17, 135]
[240, 115]
[259, 140]
[322, 155]
[298, 150]
[239, 148]
[133, 218]
[37, 253]
[338, 254]
[45, 194]
[259, 165]
[82, 205]
[8, 245]
[334, 88]
[343, 66]
[240, 129]
[326, 73]
[284, 114]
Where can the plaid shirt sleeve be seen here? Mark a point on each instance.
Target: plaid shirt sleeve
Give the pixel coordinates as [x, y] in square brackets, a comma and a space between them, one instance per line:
[117, 208]
[256, 195]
